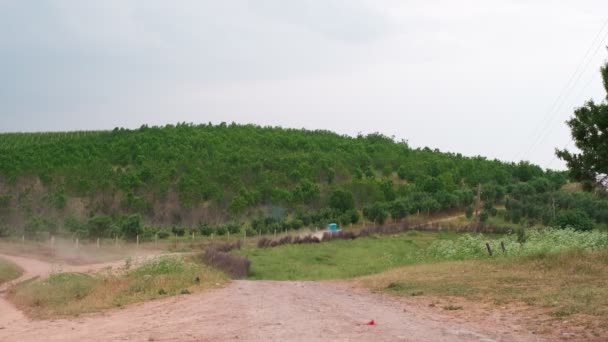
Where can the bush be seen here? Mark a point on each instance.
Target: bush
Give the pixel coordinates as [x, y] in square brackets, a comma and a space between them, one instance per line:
[235, 266]
[574, 218]
[483, 217]
[131, 227]
[178, 230]
[205, 229]
[163, 234]
[233, 228]
[221, 230]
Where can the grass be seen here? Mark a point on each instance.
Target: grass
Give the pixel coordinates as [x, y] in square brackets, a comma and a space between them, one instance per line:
[571, 283]
[72, 294]
[8, 271]
[342, 258]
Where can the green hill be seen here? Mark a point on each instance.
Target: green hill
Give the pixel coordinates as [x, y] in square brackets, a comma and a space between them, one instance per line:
[196, 174]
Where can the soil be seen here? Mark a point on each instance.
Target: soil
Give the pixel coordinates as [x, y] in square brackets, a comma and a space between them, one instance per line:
[261, 311]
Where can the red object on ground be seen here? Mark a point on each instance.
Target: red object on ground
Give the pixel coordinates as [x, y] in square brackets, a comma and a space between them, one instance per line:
[372, 322]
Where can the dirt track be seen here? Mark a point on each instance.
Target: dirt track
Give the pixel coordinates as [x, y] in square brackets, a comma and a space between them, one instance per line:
[258, 311]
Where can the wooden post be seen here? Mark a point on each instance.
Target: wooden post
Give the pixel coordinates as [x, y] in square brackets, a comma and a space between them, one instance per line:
[156, 239]
[478, 200]
[22, 238]
[489, 248]
[244, 236]
[137, 240]
[52, 241]
[504, 249]
[77, 243]
[116, 240]
[97, 242]
[192, 236]
[275, 233]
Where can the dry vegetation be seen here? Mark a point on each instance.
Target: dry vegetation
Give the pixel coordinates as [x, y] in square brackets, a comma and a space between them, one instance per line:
[8, 271]
[71, 294]
[571, 287]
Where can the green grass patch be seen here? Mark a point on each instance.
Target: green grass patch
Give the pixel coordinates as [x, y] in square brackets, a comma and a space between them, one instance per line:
[8, 271]
[341, 258]
[71, 294]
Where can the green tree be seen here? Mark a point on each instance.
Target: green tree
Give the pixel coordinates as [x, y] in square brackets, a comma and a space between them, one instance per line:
[341, 200]
[131, 227]
[589, 129]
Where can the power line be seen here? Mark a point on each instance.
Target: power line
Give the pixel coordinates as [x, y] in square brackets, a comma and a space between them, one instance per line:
[591, 79]
[565, 92]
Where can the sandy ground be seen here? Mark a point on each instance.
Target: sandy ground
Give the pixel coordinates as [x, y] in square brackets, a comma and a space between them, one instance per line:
[258, 311]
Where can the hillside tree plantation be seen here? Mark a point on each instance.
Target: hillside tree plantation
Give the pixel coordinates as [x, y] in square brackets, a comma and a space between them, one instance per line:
[229, 177]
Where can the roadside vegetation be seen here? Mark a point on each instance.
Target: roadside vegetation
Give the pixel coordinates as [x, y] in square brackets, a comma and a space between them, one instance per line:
[339, 259]
[72, 294]
[569, 286]
[8, 271]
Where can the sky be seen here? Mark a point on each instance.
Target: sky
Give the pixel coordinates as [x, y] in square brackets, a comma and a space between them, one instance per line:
[493, 78]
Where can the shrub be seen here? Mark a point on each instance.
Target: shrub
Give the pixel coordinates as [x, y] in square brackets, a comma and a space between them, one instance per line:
[483, 217]
[163, 234]
[235, 266]
[131, 227]
[233, 228]
[205, 229]
[178, 230]
[574, 218]
[221, 230]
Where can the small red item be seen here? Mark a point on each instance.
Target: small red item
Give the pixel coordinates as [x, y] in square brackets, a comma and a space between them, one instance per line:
[372, 322]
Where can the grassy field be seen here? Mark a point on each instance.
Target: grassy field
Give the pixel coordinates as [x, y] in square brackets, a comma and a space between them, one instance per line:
[71, 294]
[8, 271]
[571, 284]
[341, 259]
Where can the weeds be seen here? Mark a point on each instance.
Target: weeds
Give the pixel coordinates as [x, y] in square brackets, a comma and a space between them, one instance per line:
[70, 294]
[8, 271]
[235, 266]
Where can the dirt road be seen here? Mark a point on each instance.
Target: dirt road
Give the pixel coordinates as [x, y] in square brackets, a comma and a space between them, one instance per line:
[259, 311]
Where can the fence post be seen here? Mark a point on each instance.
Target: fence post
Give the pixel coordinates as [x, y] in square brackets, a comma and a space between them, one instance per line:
[275, 234]
[504, 249]
[77, 243]
[489, 248]
[116, 240]
[244, 236]
[137, 240]
[97, 242]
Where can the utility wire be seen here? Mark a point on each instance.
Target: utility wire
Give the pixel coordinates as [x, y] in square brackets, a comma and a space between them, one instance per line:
[565, 92]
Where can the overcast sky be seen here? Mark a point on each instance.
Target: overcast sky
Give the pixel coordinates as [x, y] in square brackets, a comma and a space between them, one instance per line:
[478, 77]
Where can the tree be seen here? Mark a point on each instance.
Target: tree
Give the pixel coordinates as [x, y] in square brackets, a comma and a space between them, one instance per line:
[589, 129]
[376, 213]
[341, 200]
[131, 227]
